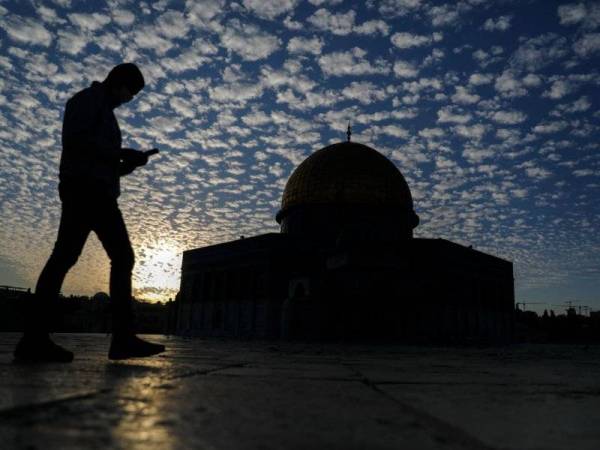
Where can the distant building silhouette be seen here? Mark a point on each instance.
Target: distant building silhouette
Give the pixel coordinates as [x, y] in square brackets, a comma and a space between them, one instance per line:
[83, 314]
[346, 266]
[570, 327]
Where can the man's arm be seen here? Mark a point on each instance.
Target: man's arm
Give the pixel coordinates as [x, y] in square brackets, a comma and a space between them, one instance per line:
[132, 159]
[125, 168]
[82, 130]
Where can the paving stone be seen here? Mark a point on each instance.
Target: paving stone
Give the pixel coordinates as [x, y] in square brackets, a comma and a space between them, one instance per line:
[519, 417]
[326, 371]
[225, 394]
[213, 412]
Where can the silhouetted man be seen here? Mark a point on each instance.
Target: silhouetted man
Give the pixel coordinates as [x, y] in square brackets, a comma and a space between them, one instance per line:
[91, 163]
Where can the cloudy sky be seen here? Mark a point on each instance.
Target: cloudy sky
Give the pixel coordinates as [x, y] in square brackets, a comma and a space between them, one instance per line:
[489, 108]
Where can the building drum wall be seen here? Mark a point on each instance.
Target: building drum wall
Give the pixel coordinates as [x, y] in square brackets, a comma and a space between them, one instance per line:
[426, 291]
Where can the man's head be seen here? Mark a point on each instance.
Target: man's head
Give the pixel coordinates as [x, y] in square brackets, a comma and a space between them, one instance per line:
[124, 81]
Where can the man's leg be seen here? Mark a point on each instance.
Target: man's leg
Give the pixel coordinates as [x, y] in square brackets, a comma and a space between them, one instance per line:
[72, 233]
[112, 232]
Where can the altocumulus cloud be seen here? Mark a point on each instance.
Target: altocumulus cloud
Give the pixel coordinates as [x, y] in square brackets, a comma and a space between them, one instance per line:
[493, 123]
[249, 41]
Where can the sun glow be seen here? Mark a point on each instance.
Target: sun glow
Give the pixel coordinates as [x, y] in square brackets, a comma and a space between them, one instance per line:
[157, 271]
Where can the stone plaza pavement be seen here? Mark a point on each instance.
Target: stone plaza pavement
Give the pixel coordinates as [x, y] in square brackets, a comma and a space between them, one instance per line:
[223, 394]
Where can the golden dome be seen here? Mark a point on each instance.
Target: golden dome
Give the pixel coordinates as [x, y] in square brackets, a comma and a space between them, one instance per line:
[346, 173]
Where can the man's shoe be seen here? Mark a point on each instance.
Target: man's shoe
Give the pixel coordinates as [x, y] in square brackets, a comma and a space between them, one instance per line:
[131, 346]
[40, 350]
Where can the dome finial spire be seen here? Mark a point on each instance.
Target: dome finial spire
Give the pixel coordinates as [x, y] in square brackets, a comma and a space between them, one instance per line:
[349, 132]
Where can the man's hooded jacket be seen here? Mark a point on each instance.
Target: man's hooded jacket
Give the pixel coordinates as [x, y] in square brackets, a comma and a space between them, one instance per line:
[91, 141]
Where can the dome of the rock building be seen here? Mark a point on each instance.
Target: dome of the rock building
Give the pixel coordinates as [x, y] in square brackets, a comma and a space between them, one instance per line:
[343, 186]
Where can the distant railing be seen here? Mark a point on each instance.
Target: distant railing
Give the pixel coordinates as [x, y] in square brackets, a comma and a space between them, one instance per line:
[14, 289]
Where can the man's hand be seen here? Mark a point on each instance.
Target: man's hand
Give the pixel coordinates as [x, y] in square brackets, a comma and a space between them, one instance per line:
[125, 169]
[131, 159]
[136, 158]
[154, 151]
